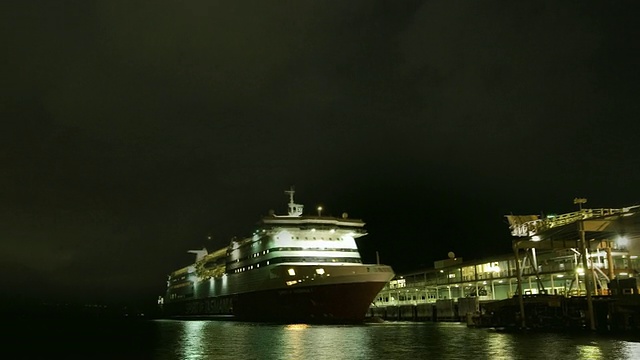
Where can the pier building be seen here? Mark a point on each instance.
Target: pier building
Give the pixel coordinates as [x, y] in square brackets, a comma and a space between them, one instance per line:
[587, 254]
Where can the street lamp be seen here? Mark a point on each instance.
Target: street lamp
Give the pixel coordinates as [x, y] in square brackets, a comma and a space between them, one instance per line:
[319, 211]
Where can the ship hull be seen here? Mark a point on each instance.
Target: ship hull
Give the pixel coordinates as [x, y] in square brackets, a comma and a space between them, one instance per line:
[337, 303]
[329, 304]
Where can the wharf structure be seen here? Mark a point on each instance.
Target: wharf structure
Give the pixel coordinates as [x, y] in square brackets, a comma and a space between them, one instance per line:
[577, 269]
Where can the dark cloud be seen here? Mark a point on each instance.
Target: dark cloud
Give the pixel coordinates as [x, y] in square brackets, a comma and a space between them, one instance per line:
[134, 130]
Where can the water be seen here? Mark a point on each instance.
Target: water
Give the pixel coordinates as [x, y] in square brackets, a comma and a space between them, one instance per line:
[171, 339]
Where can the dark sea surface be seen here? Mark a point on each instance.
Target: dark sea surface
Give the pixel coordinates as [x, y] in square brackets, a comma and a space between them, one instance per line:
[206, 339]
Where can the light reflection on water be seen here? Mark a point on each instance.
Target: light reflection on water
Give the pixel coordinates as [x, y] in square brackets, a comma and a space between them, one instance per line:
[499, 347]
[191, 343]
[391, 340]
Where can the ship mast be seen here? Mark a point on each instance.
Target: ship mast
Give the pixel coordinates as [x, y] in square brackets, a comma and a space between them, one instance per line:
[294, 209]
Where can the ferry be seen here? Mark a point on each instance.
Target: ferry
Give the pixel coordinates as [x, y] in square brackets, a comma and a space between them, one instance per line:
[293, 268]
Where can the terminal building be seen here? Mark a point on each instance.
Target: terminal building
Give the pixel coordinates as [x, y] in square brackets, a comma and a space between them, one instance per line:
[587, 252]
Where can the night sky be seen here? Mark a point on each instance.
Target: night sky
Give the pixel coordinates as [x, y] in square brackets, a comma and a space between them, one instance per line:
[134, 130]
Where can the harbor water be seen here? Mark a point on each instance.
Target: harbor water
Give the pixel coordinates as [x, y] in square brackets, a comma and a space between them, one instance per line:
[206, 339]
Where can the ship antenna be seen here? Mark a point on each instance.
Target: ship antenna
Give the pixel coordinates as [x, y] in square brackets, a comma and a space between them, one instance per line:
[290, 192]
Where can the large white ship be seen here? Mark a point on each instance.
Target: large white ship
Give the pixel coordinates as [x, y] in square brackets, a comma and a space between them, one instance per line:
[293, 268]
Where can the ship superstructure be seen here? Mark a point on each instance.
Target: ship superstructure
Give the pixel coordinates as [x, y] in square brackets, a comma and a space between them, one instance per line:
[293, 268]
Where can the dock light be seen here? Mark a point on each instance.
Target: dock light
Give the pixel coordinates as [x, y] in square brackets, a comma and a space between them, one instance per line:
[580, 201]
[580, 271]
[319, 211]
[622, 241]
[292, 272]
[560, 276]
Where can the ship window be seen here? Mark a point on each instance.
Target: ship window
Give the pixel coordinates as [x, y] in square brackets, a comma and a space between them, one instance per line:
[291, 272]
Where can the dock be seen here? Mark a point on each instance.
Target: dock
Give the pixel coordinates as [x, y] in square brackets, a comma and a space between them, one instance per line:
[570, 271]
[542, 312]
